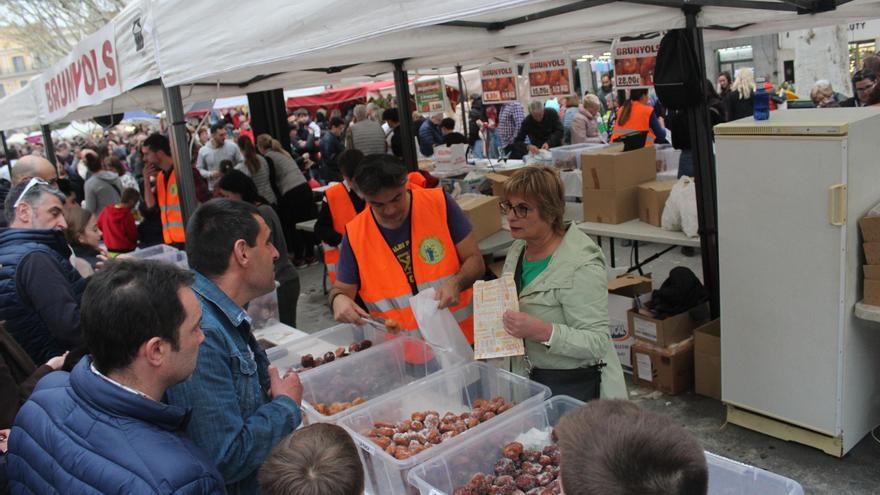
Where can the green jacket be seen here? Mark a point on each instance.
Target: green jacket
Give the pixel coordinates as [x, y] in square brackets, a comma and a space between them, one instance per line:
[572, 294]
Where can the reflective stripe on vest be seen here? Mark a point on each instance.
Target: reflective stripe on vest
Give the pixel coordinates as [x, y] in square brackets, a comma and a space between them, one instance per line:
[383, 284]
[639, 120]
[173, 229]
[342, 211]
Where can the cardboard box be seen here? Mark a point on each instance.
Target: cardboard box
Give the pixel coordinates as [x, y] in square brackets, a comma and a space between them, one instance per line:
[665, 332]
[667, 369]
[872, 272]
[707, 359]
[621, 292]
[451, 157]
[497, 180]
[652, 200]
[870, 227]
[872, 253]
[611, 206]
[871, 292]
[612, 170]
[483, 213]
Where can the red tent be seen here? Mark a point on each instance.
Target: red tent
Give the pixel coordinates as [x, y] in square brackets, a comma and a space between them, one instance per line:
[336, 97]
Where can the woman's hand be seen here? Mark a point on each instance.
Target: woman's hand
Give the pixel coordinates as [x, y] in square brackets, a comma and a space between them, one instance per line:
[526, 326]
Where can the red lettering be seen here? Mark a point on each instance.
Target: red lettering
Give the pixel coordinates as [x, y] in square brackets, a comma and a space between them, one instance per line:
[109, 62]
[102, 83]
[88, 70]
[76, 71]
[62, 90]
[55, 92]
[48, 98]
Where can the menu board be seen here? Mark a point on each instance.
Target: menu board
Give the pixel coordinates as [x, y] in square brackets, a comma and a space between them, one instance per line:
[499, 83]
[634, 63]
[550, 77]
[430, 96]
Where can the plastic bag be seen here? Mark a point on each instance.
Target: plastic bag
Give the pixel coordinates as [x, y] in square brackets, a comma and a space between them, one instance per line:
[680, 212]
[438, 327]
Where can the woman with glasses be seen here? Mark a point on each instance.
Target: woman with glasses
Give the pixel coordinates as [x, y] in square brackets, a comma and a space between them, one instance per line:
[563, 293]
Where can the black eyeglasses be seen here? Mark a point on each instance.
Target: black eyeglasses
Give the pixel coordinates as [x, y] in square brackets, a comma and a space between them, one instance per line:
[519, 211]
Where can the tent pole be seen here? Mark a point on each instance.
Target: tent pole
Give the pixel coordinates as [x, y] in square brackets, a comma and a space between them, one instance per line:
[700, 127]
[6, 153]
[49, 147]
[180, 151]
[268, 113]
[407, 139]
[462, 97]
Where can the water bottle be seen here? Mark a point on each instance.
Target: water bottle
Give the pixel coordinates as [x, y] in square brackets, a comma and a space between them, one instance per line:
[761, 101]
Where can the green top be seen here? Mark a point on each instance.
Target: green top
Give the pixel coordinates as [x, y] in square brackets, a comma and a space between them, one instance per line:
[531, 269]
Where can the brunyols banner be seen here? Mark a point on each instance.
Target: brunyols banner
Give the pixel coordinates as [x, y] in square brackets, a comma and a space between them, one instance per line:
[550, 77]
[86, 76]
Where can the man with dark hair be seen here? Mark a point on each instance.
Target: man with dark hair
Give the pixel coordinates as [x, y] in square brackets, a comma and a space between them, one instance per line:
[241, 406]
[331, 147]
[159, 166]
[863, 82]
[430, 135]
[319, 459]
[409, 240]
[217, 149]
[103, 427]
[341, 204]
[40, 290]
[613, 447]
[391, 117]
[450, 137]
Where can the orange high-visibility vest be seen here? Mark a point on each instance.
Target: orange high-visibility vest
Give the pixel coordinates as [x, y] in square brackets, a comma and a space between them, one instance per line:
[639, 120]
[417, 179]
[342, 211]
[173, 229]
[384, 287]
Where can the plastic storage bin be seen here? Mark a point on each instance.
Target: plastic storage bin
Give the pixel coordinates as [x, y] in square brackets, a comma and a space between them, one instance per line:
[569, 157]
[454, 467]
[289, 355]
[370, 374]
[161, 252]
[451, 390]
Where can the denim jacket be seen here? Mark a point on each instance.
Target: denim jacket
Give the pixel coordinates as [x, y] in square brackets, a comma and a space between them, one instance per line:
[233, 420]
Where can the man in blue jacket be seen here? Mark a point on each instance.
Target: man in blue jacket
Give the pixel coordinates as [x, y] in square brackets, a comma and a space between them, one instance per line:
[241, 407]
[430, 134]
[102, 428]
[40, 290]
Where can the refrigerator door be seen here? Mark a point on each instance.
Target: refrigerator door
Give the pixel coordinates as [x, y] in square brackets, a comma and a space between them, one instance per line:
[780, 275]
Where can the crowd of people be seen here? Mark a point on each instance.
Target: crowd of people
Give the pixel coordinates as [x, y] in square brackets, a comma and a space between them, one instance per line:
[163, 387]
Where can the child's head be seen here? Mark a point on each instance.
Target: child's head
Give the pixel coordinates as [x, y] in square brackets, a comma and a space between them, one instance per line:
[226, 166]
[319, 459]
[615, 447]
[130, 198]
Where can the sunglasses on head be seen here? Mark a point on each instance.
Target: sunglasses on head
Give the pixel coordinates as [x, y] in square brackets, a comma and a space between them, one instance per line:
[33, 182]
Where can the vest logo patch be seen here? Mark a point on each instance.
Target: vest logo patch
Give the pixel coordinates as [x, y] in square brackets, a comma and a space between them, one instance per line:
[172, 189]
[431, 250]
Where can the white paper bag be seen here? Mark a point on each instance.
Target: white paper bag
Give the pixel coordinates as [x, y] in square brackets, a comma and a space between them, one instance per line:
[438, 326]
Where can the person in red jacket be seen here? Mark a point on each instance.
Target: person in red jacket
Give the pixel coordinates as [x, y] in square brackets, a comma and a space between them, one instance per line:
[117, 223]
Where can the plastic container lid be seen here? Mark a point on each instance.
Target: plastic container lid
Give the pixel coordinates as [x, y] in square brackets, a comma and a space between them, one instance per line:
[289, 355]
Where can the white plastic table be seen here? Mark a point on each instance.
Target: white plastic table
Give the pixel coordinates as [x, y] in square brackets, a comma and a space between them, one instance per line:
[638, 231]
[867, 312]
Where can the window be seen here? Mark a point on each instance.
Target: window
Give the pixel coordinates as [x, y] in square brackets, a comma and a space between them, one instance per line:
[858, 50]
[18, 63]
[731, 59]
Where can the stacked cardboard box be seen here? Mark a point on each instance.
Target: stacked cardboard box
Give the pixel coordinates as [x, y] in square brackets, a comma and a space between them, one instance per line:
[663, 355]
[622, 292]
[707, 359]
[482, 212]
[870, 227]
[610, 178]
[652, 200]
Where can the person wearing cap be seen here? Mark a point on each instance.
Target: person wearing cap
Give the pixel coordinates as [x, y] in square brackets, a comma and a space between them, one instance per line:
[40, 290]
[407, 241]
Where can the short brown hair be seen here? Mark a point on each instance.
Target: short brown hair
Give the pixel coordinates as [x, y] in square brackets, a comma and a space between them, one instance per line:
[130, 195]
[613, 447]
[542, 186]
[77, 219]
[319, 459]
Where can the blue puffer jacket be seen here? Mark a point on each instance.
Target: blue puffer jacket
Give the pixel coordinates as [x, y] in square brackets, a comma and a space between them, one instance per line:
[22, 320]
[79, 433]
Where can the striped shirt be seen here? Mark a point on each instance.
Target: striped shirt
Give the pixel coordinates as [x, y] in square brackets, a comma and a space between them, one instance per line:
[509, 120]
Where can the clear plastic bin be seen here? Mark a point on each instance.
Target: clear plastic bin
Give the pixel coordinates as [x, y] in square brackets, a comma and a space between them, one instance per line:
[264, 311]
[161, 252]
[478, 454]
[453, 390]
[569, 157]
[455, 466]
[370, 374]
[289, 355]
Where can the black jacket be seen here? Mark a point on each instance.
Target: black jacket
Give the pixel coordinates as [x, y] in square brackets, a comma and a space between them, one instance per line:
[548, 130]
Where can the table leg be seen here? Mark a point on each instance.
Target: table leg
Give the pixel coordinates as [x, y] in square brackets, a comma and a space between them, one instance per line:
[613, 262]
[639, 266]
[636, 255]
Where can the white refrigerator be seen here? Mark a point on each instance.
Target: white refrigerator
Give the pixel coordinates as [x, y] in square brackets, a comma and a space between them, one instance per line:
[796, 362]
